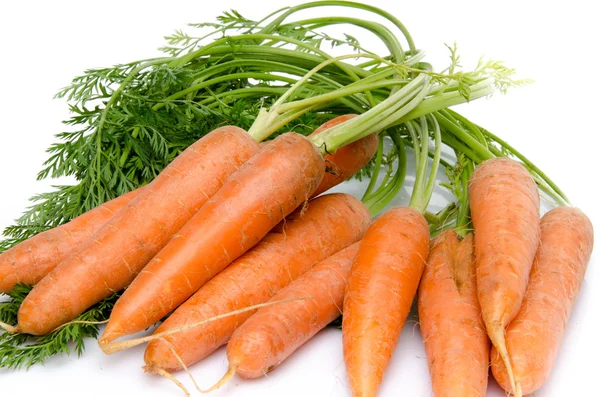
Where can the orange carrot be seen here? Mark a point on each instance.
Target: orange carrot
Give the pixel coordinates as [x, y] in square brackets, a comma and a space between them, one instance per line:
[275, 332]
[114, 255]
[32, 259]
[533, 338]
[505, 211]
[256, 198]
[456, 343]
[381, 288]
[347, 160]
[308, 236]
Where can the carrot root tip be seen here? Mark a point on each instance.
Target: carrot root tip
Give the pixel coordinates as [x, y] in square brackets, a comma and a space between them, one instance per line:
[109, 348]
[226, 378]
[151, 369]
[9, 328]
[496, 334]
[518, 391]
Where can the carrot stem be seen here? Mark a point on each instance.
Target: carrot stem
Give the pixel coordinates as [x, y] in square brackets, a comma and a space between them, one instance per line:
[376, 169]
[267, 122]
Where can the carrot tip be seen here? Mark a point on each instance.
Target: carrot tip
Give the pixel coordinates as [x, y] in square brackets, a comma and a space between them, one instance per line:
[226, 378]
[151, 369]
[518, 391]
[110, 335]
[496, 334]
[9, 328]
[114, 347]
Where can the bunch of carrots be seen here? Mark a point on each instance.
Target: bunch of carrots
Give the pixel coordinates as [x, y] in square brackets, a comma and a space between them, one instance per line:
[237, 242]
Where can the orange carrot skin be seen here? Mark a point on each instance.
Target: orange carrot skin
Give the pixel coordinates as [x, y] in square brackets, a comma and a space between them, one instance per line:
[32, 259]
[455, 339]
[347, 160]
[534, 336]
[275, 332]
[256, 198]
[505, 212]
[330, 223]
[381, 288]
[113, 256]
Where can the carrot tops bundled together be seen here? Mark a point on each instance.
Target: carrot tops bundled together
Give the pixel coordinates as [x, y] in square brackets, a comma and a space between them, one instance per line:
[228, 242]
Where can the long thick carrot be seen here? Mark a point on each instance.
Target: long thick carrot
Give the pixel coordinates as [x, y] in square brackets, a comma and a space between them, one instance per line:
[32, 259]
[533, 338]
[347, 160]
[456, 343]
[330, 223]
[273, 333]
[256, 198]
[381, 287]
[505, 209]
[113, 256]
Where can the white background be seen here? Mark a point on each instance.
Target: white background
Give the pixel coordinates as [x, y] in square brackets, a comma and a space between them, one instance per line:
[554, 122]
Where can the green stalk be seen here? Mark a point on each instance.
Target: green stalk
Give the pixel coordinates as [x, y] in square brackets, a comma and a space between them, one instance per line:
[225, 44]
[463, 218]
[463, 136]
[269, 121]
[348, 4]
[377, 167]
[436, 159]
[220, 79]
[377, 201]
[376, 119]
[382, 32]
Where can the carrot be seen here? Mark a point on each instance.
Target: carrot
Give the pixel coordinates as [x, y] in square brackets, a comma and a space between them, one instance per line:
[114, 255]
[533, 338]
[505, 212]
[347, 160]
[381, 287]
[456, 343]
[275, 332]
[385, 275]
[29, 261]
[256, 198]
[329, 224]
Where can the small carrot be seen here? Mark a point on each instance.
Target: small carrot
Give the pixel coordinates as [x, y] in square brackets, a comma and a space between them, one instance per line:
[330, 223]
[255, 199]
[456, 343]
[381, 287]
[505, 211]
[347, 160]
[533, 338]
[29, 261]
[385, 274]
[273, 333]
[114, 255]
